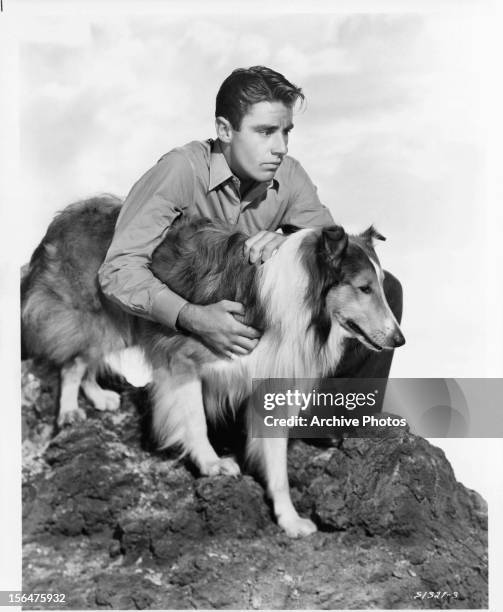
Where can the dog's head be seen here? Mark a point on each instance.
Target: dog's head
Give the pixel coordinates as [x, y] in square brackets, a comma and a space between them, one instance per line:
[347, 287]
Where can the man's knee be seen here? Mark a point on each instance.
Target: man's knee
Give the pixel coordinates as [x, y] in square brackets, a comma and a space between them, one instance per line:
[394, 294]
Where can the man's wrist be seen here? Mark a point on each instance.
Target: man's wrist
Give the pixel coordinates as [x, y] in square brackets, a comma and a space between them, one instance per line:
[186, 317]
[166, 306]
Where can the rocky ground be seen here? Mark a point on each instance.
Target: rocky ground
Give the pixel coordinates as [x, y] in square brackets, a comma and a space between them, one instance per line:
[112, 524]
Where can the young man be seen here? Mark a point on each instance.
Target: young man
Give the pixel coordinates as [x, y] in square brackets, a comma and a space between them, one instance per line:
[245, 178]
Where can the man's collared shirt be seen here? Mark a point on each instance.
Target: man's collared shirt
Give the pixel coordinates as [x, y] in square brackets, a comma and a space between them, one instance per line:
[196, 180]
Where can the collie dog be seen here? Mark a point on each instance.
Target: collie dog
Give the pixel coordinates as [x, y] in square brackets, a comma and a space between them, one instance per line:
[321, 287]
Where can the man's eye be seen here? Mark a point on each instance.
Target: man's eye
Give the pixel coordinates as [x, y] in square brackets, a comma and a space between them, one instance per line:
[365, 289]
[266, 131]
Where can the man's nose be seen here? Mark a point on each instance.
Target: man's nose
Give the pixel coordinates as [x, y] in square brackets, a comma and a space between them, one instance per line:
[280, 144]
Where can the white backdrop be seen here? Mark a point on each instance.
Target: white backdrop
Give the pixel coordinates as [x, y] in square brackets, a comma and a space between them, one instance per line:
[402, 129]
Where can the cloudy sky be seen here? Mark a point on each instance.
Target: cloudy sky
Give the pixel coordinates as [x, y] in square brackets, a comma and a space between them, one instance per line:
[392, 134]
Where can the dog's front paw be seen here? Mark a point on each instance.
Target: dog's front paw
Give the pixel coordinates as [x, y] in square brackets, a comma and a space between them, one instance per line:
[106, 400]
[296, 526]
[220, 466]
[71, 417]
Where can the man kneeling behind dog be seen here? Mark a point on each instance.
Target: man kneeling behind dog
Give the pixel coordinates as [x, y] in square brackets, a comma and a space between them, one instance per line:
[244, 178]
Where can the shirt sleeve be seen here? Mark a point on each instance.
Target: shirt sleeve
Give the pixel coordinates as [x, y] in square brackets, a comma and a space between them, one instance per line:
[154, 202]
[304, 208]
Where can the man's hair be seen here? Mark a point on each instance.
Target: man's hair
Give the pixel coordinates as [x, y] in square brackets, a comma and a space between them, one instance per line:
[247, 86]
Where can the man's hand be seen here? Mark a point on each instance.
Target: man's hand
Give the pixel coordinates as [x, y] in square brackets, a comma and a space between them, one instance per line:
[217, 326]
[262, 246]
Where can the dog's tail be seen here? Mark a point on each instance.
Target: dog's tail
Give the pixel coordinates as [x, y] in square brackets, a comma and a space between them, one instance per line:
[24, 349]
[27, 272]
[130, 364]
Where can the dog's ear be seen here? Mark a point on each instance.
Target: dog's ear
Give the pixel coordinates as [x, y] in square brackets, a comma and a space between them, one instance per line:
[371, 234]
[334, 242]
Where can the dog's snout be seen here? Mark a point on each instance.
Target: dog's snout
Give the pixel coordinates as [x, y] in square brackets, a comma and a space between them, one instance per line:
[398, 339]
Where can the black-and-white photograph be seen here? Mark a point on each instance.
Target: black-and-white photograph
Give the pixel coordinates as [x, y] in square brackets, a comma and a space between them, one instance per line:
[220, 221]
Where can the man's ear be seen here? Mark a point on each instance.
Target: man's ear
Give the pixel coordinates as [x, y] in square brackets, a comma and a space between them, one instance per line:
[224, 129]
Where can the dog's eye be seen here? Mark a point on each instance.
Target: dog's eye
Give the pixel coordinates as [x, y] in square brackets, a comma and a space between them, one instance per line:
[365, 289]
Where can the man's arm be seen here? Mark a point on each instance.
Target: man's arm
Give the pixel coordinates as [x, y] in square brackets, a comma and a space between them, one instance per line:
[154, 202]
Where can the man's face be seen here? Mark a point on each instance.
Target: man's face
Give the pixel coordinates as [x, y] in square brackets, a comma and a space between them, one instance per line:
[258, 147]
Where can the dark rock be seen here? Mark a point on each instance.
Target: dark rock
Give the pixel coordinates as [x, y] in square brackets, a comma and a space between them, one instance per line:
[396, 485]
[87, 487]
[232, 507]
[119, 593]
[121, 527]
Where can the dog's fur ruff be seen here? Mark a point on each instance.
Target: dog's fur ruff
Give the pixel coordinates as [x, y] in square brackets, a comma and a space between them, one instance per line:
[297, 299]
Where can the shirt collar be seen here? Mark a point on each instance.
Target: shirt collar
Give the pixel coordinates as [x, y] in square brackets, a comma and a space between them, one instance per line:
[220, 171]
[219, 168]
